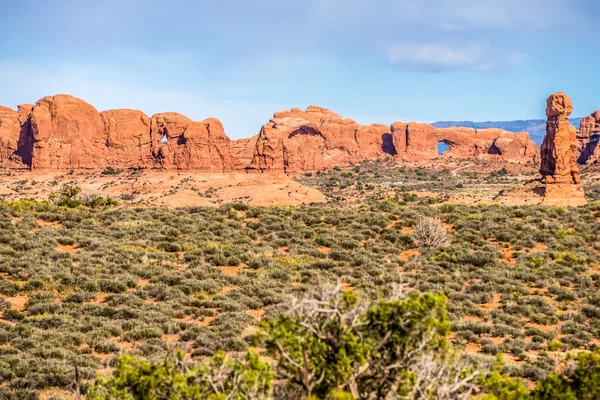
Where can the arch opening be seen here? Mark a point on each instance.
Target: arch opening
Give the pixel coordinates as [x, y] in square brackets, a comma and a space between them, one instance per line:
[442, 147]
[164, 139]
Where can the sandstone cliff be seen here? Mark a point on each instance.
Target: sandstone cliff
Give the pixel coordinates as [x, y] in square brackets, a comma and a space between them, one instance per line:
[243, 151]
[127, 135]
[63, 132]
[67, 133]
[180, 143]
[589, 138]
[296, 140]
[10, 130]
[414, 141]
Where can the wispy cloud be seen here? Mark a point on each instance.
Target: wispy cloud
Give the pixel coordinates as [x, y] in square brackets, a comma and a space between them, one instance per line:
[435, 57]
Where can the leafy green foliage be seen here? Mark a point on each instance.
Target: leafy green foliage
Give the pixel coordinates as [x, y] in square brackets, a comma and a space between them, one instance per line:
[218, 378]
[581, 380]
[70, 196]
[333, 343]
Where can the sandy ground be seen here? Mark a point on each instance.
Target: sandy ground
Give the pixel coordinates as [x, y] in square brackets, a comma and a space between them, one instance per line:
[174, 189]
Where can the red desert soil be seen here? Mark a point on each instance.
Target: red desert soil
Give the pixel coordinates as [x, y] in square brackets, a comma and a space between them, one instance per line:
[408, 254]
[17, 302]
[230, 271]
[67, 249]
[168, 188]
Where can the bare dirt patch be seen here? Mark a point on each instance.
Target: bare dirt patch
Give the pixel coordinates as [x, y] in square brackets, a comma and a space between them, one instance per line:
[508, 255]
[17, 302]
[539, 247]
[324, 250]
[230, 271]
[173, 189]
[47, 394]
[66, 248]
[143, 282]
[258, 314]
[472, 348]
[495, 303]
[408, 254]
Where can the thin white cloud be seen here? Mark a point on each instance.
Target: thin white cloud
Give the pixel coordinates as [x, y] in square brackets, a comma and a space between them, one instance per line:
[436, 57]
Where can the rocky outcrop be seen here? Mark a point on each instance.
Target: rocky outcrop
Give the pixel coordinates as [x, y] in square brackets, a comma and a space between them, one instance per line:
[243, 151]
[296, 141]
[588, 137]
[560, 173]
[63, 132]
[10, 129]
[67, 133]
[127, 134]
[180, 143]
[414, 142]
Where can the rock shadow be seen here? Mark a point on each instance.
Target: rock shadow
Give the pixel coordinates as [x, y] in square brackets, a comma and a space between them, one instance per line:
[589, 149]
[25, 144]
[387, 144]
[305, 130]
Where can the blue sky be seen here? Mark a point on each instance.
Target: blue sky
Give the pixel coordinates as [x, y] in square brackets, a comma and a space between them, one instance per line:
[242, 60]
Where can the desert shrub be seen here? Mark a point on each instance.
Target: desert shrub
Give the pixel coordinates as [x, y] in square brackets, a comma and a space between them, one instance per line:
[111, 171]
[67, 196]
[581, 380]
[358, 348]
[431, 233]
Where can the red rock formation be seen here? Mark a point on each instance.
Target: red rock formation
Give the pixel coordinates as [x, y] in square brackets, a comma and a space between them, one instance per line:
[63, 132]
[296, 140]
[514, 147]
[414, 142]
[589, 138]
[190, 145]
[128, 138]
[10, 129]
[67, 133]
[558, 152]
[243, 151]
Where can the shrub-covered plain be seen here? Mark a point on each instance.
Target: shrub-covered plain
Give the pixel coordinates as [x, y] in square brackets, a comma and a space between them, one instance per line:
[80, 286]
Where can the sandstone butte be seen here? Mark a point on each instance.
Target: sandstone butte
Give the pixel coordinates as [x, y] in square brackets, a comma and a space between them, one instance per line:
[62, 133]
[558, 153]
[588, 137]
[296, 140]
[415, 141]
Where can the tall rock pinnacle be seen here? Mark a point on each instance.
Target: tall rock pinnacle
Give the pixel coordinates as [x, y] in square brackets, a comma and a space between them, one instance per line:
[559, 169]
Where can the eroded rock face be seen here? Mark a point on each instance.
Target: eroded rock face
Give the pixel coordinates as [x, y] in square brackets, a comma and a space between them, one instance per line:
[67, 133]
[243, 151]
[180, 143]
[414, 142]
[558, 153]
[128, 138]
[296, 141]
[589, 138]
[10, 129]
[62, 132]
